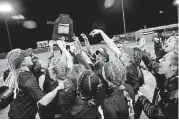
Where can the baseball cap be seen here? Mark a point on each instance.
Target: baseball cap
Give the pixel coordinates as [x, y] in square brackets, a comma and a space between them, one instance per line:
[114, 72]
[27, 52]
[15, 57]
[103, 52]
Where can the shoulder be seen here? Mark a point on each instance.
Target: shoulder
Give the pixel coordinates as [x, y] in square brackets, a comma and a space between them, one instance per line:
[24, 77]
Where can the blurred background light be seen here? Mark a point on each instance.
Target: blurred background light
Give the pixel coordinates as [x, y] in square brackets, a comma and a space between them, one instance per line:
[5, 7]
[108, 3]
[18, 17]
[29, 24]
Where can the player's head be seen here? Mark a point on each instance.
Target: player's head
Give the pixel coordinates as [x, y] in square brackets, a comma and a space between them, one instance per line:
[102, 54]
[169, 63]
[171, 43]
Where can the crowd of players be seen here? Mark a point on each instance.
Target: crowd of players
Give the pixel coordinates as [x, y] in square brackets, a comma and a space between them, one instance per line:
[86, 84]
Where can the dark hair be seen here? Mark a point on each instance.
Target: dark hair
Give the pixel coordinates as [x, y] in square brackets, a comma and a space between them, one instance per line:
[104, 54]
[88, 85]
[68, 47]
[36, 68]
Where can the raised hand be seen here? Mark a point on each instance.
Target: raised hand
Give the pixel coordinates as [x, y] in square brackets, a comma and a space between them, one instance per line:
[61, 44]
[84, 36]
[78, 48]
[77, 40]
[95, 32]
[51, 43]
[60, 86]
[142, 43]
[156, 39]
[72, 47]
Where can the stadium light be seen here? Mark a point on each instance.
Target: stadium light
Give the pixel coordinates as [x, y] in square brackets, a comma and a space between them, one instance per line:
[5, 8]
[176, 2]
[124, 20]
[110, 3]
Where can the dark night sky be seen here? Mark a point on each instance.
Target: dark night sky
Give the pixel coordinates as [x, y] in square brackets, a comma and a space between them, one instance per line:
[84, 13]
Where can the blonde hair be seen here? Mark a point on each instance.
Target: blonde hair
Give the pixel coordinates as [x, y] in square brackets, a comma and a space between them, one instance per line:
[12, 61]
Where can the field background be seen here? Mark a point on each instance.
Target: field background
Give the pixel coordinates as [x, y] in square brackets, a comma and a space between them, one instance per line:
[146, 90]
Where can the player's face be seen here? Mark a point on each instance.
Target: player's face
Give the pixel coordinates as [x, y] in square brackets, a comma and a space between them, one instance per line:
[170, 44]
[44, 65]
[28, 61]
[165, 64]
[156, 40]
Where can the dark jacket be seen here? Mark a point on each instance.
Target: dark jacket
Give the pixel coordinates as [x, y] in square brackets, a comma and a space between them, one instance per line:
[82, 110]
[165, 88]
[6, 97]
[164, 107]
[170, 98]
[61, 103]
[115, 105]
[24, 106]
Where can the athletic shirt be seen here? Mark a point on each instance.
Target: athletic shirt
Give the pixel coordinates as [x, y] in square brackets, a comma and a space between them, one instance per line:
[116, 106]
[24, 106]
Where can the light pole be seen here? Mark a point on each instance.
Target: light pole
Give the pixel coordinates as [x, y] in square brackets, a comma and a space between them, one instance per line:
[109, 3]
[123, 16]
[5, 8]
[176, 3]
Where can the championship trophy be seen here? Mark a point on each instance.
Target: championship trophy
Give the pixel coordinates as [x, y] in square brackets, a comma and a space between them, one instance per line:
[63, 28]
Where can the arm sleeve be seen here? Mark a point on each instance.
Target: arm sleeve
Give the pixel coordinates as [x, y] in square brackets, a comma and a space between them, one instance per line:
[149, 61]
[132, 79]
[171, 109]
[159, 51]
[33, 89]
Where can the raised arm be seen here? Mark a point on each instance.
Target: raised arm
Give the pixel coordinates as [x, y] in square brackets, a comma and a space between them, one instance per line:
[80, 56]
[51, 52]
[61, 45]
[50, 96]
[34, 90]
[108, 41]
[88, 46]
[148, 60]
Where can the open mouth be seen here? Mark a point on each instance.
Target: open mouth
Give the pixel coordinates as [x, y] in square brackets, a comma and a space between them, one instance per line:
[166, 46]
